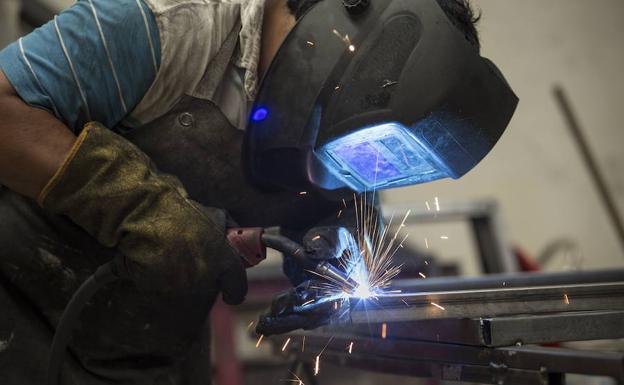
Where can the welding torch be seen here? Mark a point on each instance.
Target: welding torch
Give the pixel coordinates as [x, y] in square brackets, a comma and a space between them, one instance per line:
[251, 243]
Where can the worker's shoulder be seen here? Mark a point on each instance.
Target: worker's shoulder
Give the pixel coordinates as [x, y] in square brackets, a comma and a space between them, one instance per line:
[192, 33]
[163, 7]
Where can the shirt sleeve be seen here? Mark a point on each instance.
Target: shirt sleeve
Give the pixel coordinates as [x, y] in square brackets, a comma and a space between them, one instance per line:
[93, 62]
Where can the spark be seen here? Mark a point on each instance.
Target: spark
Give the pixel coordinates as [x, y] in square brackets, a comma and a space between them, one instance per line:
[297, 251]
[384, 330]
[504, 283]
[339, 214]
[297, 380]
[438, 306]
[427, 204]
[566, 300]
[426, 242]
[316, 238]
[259, 341]
[444, 237]
[286, 344]
[316, 365]
[351, 347]
[310, 43]
[422, 275]
[251, 324]
[308, 302]
[303, 193]
[368, 259]
[427, 263]
[346, 40]
[337, 88]
[437, 203]
[303, 344]
[387, 83]
[406, 304]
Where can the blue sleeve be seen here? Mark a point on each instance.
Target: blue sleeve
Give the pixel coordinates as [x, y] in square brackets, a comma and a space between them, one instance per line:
[94, 61]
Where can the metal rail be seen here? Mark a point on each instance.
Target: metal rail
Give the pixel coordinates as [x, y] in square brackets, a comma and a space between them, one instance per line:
[489, 303]
[512, 365]
[502, 331]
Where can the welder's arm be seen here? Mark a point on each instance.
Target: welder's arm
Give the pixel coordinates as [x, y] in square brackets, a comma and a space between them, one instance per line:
[33, 143]
[110, 188]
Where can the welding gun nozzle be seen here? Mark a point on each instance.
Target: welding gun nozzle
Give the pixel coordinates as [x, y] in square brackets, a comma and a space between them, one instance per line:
[328, 270]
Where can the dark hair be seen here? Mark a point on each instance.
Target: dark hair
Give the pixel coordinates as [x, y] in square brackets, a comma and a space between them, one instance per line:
[458, 11]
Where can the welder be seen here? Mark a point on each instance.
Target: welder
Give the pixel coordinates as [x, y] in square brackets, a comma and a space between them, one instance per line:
[139, 131]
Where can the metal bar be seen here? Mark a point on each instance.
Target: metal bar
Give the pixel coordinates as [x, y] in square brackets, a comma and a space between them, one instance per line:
[548, 361]
[496, 281]
[488, 303]
[591, 163]
[441, 371]
[564, 327]
[460, 331]
[502, 331]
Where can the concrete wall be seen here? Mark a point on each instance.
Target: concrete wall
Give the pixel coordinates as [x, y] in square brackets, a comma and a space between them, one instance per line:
[536, 172]
[9, 28]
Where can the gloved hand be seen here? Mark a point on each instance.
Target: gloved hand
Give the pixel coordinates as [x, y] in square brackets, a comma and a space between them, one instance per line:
[320, 243]
[112, 190]
[297, 308]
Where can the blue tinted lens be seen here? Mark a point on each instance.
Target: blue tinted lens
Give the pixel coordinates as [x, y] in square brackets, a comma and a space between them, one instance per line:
[367, 161]
[380, 157]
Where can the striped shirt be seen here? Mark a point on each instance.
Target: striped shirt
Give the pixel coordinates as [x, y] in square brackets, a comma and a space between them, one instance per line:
[94, 61]
[127, 62]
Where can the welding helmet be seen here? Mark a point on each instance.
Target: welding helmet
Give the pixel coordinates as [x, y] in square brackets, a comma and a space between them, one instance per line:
[368, 95]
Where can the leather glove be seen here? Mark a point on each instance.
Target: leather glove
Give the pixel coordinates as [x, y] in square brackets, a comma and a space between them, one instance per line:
[319, 243]
[297, 308]
[111, 189]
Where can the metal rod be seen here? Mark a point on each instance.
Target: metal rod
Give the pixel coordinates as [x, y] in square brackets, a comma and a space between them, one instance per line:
[405, 354]
[489, 303]
[502, 281]
[590, 161]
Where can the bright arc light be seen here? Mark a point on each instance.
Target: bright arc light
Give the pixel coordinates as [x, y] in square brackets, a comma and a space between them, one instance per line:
[363, 291]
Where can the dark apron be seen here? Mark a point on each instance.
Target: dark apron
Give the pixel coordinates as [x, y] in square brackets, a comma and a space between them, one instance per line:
[125, 336]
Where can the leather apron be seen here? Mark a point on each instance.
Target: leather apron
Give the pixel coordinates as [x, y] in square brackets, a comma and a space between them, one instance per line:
[125, 336]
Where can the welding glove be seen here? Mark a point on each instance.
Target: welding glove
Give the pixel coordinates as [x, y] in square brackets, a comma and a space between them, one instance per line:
[321, 243]
[301, 307]
[170, 243]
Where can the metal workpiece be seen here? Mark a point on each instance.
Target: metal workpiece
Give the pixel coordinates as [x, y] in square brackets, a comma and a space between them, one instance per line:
[521, 365]
[502, 281]
[564, 327]
[489, 303]
[500, 331]
[483, 334]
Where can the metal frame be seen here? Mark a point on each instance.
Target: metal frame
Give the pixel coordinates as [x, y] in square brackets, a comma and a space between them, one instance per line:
[489, 302]
[522, 365]
[490, 345]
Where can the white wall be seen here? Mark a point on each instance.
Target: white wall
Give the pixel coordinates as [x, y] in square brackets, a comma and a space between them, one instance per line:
[536, 172]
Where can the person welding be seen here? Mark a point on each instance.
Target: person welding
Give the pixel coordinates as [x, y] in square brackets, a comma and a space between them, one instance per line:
[139, 131]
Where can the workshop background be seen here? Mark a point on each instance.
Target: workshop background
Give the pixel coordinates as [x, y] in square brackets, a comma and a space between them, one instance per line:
[547, 204]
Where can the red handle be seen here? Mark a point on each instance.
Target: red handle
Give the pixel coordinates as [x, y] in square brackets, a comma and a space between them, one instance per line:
[248, 243]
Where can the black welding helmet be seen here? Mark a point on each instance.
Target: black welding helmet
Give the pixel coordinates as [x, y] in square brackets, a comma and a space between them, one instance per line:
[374, 95]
